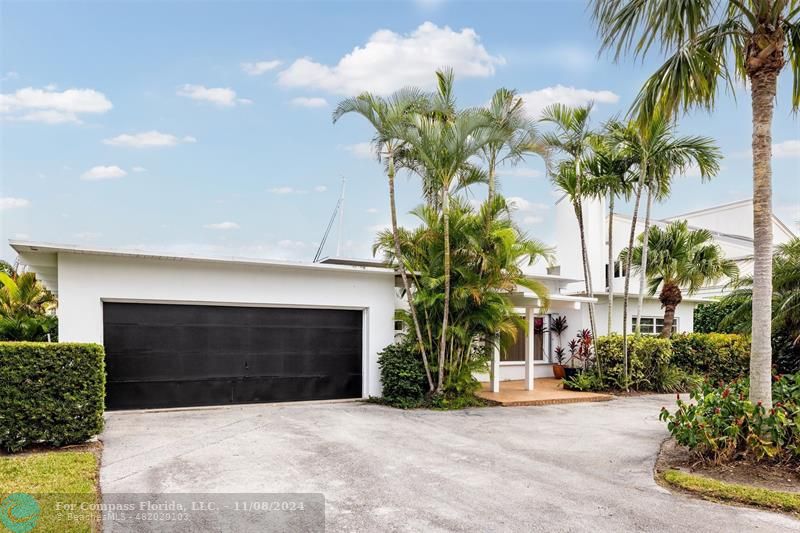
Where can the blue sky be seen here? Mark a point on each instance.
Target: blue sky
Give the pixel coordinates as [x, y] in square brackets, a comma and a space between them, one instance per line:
[204, 127]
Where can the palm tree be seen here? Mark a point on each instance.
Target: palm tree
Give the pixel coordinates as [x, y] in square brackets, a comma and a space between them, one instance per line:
[709, 41]
[441, 151]
[506, 113]
[785, 298]
[658, 154]
[571, 138]
[386, 115]
[488, 252]
[610, 171]
[679, 258]
[24, 296]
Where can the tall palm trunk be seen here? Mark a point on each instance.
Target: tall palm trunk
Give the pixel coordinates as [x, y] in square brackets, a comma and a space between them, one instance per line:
[446, 313]
[492, 170]
[628, 262]
[587, 273]
[402, 268]
[587, 276]
[763, 85]
[610, 266]
[645, 247]
[670, 297]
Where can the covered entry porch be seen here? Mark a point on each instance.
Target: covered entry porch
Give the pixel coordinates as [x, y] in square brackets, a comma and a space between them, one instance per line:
[522, 374]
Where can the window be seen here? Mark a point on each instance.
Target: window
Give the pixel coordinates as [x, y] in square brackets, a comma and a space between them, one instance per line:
[399, 326]
[652, 325]
[516, 352]
[619, 269]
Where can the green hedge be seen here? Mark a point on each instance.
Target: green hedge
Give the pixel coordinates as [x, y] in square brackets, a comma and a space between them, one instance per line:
[718, 356]
[708, 317]
[50, 393]
[648, 361]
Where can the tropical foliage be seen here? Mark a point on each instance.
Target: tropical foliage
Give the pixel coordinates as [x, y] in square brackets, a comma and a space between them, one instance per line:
[460, 263]
[487, 255]
[721, 423]
[25, 308]
[706, 41]
[785, 305]
[679, 259]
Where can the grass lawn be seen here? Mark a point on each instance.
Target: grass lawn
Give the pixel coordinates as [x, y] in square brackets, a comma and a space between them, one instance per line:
[730, 492]
[46, 474]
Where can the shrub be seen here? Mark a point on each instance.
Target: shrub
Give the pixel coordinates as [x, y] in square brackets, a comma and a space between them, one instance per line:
[584, 381]
[402, 376]
[723, 423]
[785, 353]
[708, 317]
[648, 362]
[50, 393]
[29, 328]
[718, 356]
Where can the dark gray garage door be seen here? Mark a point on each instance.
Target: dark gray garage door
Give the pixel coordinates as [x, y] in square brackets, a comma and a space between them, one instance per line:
[160, 355]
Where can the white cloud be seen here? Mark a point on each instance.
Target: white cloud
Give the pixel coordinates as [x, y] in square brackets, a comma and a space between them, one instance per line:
[529, 212]
[786, 149]
[10, 75]
[536, 101]
[221, 96]
[532, 219]
[519, 172]
[282, 190]
[51, 106]
[377, 228]
[139, 169]
[389, 61]
[222, 225]
[303, 101]
[372, 210]
[783, 150]
[147, 139]
[9, 202]
[258, 68]
[361, 150]
[291, 245]
[100, 173]
[285, 189]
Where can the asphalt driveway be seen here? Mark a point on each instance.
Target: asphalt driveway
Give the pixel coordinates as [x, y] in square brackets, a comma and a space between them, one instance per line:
[578, 467]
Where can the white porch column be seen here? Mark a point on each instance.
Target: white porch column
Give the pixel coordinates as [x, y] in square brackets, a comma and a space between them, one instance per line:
[495, 371]
[529, 348]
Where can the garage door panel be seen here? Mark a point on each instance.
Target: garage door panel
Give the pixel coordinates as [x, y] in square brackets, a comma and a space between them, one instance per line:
[165, 355]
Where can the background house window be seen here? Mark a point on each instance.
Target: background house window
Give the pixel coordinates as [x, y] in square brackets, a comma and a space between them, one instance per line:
[619, 269]
[652, 325]
[399, 326]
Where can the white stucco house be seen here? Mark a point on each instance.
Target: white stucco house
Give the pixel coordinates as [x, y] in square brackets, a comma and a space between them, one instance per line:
[191, 330]
[731, 225]
[185, 330]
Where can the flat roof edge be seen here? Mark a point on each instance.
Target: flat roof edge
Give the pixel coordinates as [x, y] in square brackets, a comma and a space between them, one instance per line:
[35, 247]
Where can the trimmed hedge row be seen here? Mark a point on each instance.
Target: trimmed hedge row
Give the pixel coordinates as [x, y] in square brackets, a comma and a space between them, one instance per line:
[50, 393]
[663, 365]
[717, 356]
[648, 359]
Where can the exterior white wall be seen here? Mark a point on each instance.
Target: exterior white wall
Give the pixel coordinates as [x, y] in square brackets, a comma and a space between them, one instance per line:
[85, 281]
[652, 307]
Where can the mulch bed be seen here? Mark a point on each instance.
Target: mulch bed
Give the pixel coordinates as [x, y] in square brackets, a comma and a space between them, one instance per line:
[779, 477]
